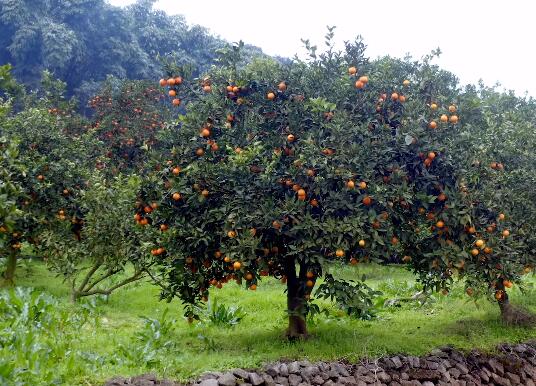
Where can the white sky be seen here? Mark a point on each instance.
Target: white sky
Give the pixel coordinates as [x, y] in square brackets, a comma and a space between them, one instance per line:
[491, 40]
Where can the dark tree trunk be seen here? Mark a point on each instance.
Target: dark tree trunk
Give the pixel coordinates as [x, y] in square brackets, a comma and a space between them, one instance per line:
[512, 315]
[297, 324]
[9, 273]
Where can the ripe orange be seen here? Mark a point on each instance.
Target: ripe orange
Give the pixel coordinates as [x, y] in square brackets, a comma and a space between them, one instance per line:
[163, 82]
[362, 243]
[172, 93]
[276, 224]
[506, 233]
[394, 96]
[144, 221]
[248, 276]
[199, 152]
[171, 82]
[227, 259]
[176, 170]
[207, 88]
[488, 250]
[290, 138]
[499, 294]
[359, 84]
[501, 216]
[339, 253]
[237, 265]
[41, 177]
[452, 109]
[350, 184]
[432, 125]
[309, 283]
[364, 79]
[282, 86]
[479, 243]
[474, 252]
[453, 119]
[471, 230]
[301, 195]
[405, 83]
[402, 98]
[176, 102]
[270, 96]
[353, 261]
[508, 283]
[431, 155]
[176, 196]
[253, 287]
[406, 259]
[433, 106]
[440, 224]
[314, 202]
[444, 118]
[367, 201]
[231, 234]
[204, 193]
[310, 275]
[362, 185]
[163, 227]
[178, 80]
[352, 70]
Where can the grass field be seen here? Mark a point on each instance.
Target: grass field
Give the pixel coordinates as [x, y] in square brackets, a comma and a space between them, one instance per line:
[118, 341]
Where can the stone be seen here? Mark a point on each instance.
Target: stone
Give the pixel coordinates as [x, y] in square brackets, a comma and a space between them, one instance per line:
[383, 377]
[309, 372]
[496, 366]
[427, 383]
[318, 380]
[404, 376]
[209, 382]
[394, 383]
[283, 370]
[463, 369]
[340, 369]
[293, 368]
[482, 374]
[268, 380]
[227, 379]
[118, 381]
[361, 370]
[455, 372]
[396, 362]
[279, 380]
[255, 379]
[347, 381]
[516, 380]
[446, 363]
[431, 365]
[240, 373]
[294, 379]
[439, 353]
[529, 382]
[500, 380]
[361, 383]
[273, 370]
[424, 375]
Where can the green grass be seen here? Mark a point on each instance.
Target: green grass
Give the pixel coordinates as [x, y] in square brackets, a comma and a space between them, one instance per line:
[258, 338]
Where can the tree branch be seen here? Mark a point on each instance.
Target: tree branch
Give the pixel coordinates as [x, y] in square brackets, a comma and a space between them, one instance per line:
[137, 275]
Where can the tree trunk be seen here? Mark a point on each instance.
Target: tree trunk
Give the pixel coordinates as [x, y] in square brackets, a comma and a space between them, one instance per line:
[514, 316]
[9, 273]
[297, 324]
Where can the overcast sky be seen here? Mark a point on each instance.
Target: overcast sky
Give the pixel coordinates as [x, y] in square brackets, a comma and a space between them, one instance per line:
[492, 40]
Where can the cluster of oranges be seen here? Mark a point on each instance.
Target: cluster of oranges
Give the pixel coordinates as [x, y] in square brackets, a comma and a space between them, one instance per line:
[444, 118]
[173, 84]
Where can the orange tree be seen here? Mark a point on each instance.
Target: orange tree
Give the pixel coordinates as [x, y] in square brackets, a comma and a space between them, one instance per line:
[279, 170]
[51, 164]
[126, 118]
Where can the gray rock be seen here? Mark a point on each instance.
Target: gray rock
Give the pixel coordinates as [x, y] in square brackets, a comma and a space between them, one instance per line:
[396, 362]
[427, 383]
[361, 383]
[283, 370]
[279, 380]
[227, 379]
[482, 374]
[463, 369]
[455, 373]
[439, 353]
[383, 377]
[209, 382]
[496, 366]
[240, 373]
[340, 369]
[294, 379]
[500, 380]
[361, 370]
[309, 372]
[268, 380]
[347, 381]
[333, 374]
[256, 379]
[404, 376]
[318, 380]
[210, 375]
[273, 370]
[118, 381]
[529, 382]
[293, 368]
[431, 365]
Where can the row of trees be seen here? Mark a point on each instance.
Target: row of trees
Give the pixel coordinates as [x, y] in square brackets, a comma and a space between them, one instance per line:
[275, 169]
